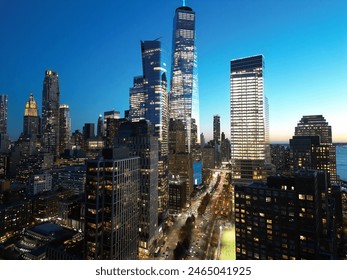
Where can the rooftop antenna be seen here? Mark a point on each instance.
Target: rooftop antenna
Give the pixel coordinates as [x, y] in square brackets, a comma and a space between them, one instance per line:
[184, 3]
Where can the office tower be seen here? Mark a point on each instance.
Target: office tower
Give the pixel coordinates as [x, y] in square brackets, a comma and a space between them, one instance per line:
[225, 149]
[184, 97]
[112, 121]
[216, 129]
[3, 113]
[177, 195]
[137, 100]
[208, 157]
[50, 112]
[77, 139]
[110, 115]
[31, 125]
[283, 218]
[111, 207]
[180, 161]
[155, 89]
[248, 117]
[138, 138]
[100, 128]
[88, 131]
[64, 128]
[202, 140]
[316, 125]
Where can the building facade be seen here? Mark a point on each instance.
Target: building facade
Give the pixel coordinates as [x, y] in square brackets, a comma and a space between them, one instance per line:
[50, 112]
[31, 125]
[284, 219]
[316, 125]
[216, 129]
[139, 139]
[3, 113]
[111, 211]
[184, 96]
[64, 128]
[248, 119]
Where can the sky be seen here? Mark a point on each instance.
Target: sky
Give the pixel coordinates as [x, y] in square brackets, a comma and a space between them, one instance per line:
[95, 48]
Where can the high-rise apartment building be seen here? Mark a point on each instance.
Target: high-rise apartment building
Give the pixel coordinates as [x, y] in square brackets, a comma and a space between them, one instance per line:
[111, 207]
[139, 139]
[323, 156]
[184, 97]
[3, 113]
[50, 112]
[64, 128]
[216, 129]
[248, 114]
[284, 219]
[31, 125]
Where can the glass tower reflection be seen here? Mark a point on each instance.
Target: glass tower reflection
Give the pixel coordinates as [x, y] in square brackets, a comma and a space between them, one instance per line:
[184, 98]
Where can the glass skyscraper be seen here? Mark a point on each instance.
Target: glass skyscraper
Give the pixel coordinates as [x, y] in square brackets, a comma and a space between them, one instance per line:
[184, 98]
[248, 113]
[50, 112]
[149, 100]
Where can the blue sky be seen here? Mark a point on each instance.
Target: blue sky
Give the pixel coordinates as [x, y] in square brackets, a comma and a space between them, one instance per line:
[95, 48]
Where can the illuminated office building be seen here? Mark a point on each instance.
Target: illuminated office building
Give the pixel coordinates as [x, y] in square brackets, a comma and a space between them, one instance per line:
[155, 88]
[324, 154]
[50, 112]
[137, 100]
[184, 97]
[249, 125]
[149, 101]
[111, 209]
[3, 113]
[64, 128]
[31, 125]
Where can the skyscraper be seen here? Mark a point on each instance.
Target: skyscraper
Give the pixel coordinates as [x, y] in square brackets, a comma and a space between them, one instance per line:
[3, 113]
[184, 98]
[64, 128]
[138, 138]
[216, 129]
[111, 209]
[248, 114]
[50, 112]
[31, 118]
[137, 100]
[156, 97]
[100, 128]
[323, 155]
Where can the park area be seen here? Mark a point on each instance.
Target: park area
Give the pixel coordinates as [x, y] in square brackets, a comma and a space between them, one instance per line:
[228, 248]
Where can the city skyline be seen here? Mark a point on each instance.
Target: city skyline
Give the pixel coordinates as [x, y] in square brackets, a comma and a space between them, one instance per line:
[95, 55]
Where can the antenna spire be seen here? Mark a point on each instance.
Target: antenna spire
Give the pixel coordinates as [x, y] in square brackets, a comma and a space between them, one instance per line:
[184, 3]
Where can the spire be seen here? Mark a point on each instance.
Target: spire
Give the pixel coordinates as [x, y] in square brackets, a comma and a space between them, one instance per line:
[184, 3]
